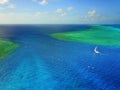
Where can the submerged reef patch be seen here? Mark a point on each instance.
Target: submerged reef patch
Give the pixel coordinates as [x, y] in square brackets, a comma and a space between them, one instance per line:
[99, 35]
[6, 47]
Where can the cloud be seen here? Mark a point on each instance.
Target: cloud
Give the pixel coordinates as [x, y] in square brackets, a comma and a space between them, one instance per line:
[34, 0]
[1, 8]
[92, 13]
[11, 6]
[3, 1]
[70, 8]
[92, 16]
[61, 12]
[40, 13]
[6, 14]
[6, 4]
[43, 2]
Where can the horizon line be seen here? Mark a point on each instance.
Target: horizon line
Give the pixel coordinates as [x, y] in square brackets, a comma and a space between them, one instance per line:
[60, 24]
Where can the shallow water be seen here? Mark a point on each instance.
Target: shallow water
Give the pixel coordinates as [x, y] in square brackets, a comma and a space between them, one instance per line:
[44, 63]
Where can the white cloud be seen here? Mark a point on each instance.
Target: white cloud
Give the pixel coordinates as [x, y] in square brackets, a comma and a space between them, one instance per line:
[70, 8]
[92, 16]
[1, 8]
[92, 13]
[3, 1]
[11, 6]
[34, 0]
[61, 12]
[6, 14]
[43, 2]
[40, 13]
[6, 5]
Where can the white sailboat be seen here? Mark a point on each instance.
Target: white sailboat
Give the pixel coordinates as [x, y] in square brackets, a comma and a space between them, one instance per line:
[96, 50]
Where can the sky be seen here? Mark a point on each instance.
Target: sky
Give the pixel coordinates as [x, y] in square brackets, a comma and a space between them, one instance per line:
[59, 11]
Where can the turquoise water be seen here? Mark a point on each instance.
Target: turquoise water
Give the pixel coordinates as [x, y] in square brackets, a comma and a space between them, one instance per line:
[44, 63]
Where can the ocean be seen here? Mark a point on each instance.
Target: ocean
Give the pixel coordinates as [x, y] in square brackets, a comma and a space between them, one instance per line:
[45, 63]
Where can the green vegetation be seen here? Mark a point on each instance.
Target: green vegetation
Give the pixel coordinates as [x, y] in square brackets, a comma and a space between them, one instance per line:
[99, 35]
[6, 47]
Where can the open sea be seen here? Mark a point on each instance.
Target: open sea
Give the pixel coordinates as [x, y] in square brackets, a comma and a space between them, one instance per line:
[44, 63]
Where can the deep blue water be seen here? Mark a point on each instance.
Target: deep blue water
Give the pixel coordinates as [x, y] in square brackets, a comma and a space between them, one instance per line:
[44, 63]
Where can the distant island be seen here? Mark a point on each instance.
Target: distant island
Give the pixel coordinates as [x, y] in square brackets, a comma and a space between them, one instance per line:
[99, 35]
[6, 47]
